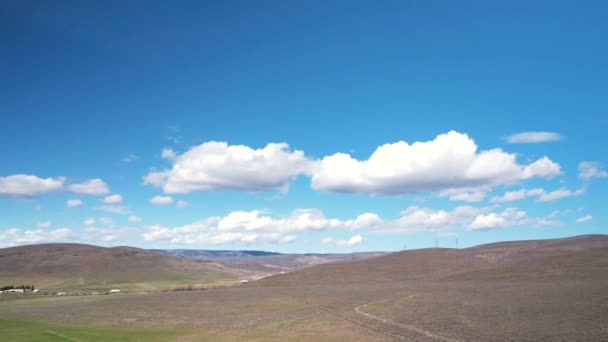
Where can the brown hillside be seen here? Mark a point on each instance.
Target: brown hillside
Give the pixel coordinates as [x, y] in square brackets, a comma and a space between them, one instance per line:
[65, 259]
[91, 268]
[581, 255]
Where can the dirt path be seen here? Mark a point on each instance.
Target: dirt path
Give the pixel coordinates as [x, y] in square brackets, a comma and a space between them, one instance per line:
[359, 310]
[62, 336]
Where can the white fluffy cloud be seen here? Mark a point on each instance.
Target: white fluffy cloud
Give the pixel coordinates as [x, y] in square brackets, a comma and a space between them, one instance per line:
[92, 235]
[135, 219]
[417, 219]
[353, 241]
[17, 237]
[533, 137]
[161, 200]
[450, 161]
[112, 199]
[542, 195]
[95, 187]
[589, 169]
[465, 195]
[507, 218]
[217, 165]
[251, 226]
[28, 185]
[73, 203]
[45, 224]
[584, 219]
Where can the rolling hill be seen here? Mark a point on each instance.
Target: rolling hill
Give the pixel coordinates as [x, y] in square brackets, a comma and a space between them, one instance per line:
[86, 267]
[587, 254]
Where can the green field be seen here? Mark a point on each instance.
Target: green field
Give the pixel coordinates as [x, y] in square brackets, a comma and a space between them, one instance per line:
[133, 282]
[38, 331]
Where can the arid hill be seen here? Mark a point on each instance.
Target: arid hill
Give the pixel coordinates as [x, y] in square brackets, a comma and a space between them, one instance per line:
[75, 266]
[587, 254]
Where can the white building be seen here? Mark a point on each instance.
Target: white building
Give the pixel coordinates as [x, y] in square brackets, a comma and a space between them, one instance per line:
[115, 291]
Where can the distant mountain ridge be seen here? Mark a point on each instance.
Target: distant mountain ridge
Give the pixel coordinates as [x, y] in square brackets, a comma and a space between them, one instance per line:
[262, 263]
[196, 253]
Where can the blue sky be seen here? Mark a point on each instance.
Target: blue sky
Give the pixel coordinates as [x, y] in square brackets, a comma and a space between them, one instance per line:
[302, 126]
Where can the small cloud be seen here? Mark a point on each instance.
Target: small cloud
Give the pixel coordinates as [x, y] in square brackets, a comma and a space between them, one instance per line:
[135, 219]
[584, 219]
[95, 187]
[115, 209]
[533, 137]
[590, 169]
[112, 199]
[559, 194]
[161, 200]
[353, 241]
[129, 158]
[73, 203]
[168, 153]
[287, 239]
[44, 224]
[543, 222]
[89, 221]
[182, 204]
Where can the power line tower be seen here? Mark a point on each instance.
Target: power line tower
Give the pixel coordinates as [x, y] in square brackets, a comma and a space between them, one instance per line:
[436, 243]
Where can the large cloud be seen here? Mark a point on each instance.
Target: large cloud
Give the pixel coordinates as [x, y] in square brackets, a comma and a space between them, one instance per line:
[217, 165]
[450, 161]
[259, 226]
[255, 225]
[95, 187]
[28, 185]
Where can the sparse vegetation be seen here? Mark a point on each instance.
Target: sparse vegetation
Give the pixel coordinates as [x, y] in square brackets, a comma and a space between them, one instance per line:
[555, 290]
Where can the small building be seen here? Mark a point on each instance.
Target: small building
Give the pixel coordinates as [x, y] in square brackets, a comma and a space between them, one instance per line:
[244, 281]
[62, 293]
[115, 291]
[15, 290]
